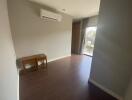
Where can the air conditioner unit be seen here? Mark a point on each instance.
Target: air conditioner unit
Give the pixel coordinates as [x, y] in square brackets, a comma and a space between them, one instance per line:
[45, 14]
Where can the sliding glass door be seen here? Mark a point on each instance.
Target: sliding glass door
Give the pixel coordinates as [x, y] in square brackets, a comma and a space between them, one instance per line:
[89, 40]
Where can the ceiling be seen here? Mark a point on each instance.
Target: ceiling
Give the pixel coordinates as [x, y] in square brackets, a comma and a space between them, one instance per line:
[76, 8]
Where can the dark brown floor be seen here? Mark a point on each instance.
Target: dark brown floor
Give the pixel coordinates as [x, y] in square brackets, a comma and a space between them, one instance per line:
[65, 79]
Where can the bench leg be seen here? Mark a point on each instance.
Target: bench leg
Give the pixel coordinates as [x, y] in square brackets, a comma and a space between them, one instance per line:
[46, 62]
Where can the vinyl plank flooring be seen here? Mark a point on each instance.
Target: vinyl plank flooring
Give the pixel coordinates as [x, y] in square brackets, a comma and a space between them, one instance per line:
[65, 79]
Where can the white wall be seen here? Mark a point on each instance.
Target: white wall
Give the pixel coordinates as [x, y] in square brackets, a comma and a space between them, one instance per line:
[129, 92]
[8, 72]
[32, 35]
[111, 66]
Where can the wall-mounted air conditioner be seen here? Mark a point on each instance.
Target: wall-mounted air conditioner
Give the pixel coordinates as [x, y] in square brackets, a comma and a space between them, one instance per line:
[45, 14]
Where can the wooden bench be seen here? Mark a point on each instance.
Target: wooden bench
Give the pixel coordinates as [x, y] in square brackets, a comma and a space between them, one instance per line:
[33, 61]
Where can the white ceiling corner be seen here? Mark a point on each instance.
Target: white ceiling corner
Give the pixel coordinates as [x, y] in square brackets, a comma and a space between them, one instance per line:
[76, 8]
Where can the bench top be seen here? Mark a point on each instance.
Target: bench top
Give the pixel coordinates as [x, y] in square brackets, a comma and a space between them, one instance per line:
[33, 57]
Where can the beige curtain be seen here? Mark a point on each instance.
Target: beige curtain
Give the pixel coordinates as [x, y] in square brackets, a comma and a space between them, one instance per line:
[84, 25]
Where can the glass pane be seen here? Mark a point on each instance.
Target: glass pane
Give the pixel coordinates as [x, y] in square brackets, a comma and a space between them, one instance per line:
[89, 40]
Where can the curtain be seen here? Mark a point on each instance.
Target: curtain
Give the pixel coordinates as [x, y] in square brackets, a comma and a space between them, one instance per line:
[84, 24]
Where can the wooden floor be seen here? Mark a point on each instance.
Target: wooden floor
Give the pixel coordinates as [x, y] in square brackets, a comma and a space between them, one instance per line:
[65, 79]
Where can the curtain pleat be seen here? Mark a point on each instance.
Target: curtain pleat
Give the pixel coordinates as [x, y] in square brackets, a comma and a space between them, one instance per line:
[84, 25]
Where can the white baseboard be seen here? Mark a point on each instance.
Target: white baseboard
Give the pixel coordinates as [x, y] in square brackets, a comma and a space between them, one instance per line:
[59, 58]
[18, 87]
[106, 90]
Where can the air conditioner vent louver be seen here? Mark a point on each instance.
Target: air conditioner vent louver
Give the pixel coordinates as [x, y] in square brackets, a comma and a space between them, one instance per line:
[45, 14]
